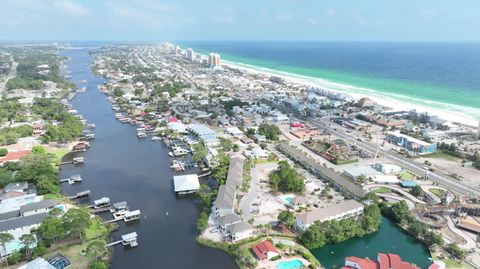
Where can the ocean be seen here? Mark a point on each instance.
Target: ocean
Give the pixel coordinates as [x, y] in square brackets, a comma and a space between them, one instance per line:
[442, 76]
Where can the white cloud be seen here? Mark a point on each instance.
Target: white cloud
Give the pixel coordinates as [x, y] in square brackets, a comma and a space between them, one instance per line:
[224, 15]
[71, 8]
[283, 16]
[429, 13]
[312, 21]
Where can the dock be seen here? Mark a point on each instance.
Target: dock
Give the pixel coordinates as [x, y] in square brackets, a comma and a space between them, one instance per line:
[129, 239]
[81, 194]
[77, 160]
[77, 178]
[204, 174]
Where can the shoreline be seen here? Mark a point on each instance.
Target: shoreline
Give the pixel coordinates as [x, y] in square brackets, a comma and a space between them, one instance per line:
[379, 97]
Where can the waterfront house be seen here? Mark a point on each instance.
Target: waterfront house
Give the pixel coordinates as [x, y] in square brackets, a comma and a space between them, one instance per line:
[186, 184]
[15, 195]
[37, 208]
[224, 202]
[342, 210]
[265, 250]
[238, 231]
[227, 220]
[18, 227]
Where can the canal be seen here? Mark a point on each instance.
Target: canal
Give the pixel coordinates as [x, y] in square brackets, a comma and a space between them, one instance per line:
[389, 239]
[121, 167]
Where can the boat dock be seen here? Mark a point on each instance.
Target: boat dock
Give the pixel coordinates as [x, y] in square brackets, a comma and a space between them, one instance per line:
[77, 178]
[77, 160]
[81, 194]
[129, 239]
[204, 174]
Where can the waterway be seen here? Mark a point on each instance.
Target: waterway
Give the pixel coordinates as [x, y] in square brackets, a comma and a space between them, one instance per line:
[124, 168]
[389, 239]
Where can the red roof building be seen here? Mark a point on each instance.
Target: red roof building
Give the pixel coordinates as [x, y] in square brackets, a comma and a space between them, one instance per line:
[265, 250]
[14, 156]
[384, 261]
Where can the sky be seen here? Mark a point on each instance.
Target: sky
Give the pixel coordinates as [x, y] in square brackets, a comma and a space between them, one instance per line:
[173, 20]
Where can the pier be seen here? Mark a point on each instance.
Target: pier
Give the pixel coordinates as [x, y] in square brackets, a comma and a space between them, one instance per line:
[77, 160]
[129, 239]
[81, 194]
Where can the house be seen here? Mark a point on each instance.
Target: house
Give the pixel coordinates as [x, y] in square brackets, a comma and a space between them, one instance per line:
[265, 250]
[257, 153]
[14, 156]
[259, 138]
[18, 227]
[238, 231]
[15, 195]
[234, 131]
[342, 210]
[225, 201]
[298, 202]
[186, 184]
[36, 208]
[384, 261]
[227, 220]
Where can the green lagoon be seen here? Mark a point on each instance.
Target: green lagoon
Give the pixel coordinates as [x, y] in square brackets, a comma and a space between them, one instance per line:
[389, 239]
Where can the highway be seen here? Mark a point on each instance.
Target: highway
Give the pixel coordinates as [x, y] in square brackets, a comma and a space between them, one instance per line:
[393, 157]
[398, 159]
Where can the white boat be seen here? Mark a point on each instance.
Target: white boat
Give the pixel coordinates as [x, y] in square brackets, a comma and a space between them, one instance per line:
[102, 202]
[170, 154]
[131, 215]
[156, 138]
[91, 125]
[141, 135]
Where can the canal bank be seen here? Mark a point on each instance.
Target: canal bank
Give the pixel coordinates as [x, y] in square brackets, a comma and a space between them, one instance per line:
[123, 168]
[389, 239]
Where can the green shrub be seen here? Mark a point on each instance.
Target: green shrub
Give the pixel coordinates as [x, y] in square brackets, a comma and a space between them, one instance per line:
[276, 258]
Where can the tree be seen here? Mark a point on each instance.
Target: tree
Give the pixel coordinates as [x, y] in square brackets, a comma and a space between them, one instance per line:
[97, 249]
[286, 179]
[52, 229]
[3, 152]
[456, 251]
[250, 132]
[372, 218]
[76, 220]
[226, 144]
[199, 152]
[416, 191]
[27, 241]
[270, 131]
[221, 169]
[98, 265]
[118, 92]
[286, 218]
[39, 150]
[4, 239]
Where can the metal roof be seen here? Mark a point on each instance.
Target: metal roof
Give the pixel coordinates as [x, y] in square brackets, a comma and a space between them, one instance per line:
[40, 205]
[22, 222]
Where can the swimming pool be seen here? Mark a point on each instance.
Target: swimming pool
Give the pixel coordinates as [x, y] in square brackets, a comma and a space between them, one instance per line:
[293, 264]
[288, 200]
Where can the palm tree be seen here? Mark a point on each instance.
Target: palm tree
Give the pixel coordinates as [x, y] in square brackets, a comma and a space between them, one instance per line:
[27, 240]
[4, 239]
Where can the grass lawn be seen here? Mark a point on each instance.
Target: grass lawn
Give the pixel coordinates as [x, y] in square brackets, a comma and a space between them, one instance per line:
[442, 155]
[450, 263]
[59, 153]
[405, 175]
[382, 190]
[438, 192]
[95, 230]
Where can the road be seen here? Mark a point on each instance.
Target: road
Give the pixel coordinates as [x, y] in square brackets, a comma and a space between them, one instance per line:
[396, 189]
[398, 159]
[11, 74]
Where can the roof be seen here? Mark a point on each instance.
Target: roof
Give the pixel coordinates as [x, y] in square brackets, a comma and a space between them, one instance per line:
[9, 215]
[17, 186]
[39, 205]
[409, 138]
[186, 183]
[364, 263]
[14, 156]
[263, 248]
[59, 262]
[228, 219]
[322, 214]
[129, 236]
[365, 170]
[408, 183]
[132, 213]
[225, 197]
[239, 227]
[22, 222]
[235, 172]
[38, 263]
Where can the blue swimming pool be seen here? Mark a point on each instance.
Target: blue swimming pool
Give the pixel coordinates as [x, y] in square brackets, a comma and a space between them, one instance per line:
[288, 200]
[293, 264]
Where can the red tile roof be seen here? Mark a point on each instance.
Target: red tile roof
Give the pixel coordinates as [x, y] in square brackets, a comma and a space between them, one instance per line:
[14, 156]
[263, 248]
[384, 261]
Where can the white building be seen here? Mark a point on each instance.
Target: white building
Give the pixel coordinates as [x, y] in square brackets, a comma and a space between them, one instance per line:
[387, 168]
[18, 227]
[239, 231]
[186, 184]
[344, 209]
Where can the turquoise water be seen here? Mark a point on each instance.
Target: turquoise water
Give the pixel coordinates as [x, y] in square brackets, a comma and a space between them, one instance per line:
[288, 200]
[389, 239]
[293, 264]
[439, 76]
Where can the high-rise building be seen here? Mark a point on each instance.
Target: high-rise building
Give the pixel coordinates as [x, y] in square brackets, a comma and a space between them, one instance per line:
[214, 59]
[190, 54]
